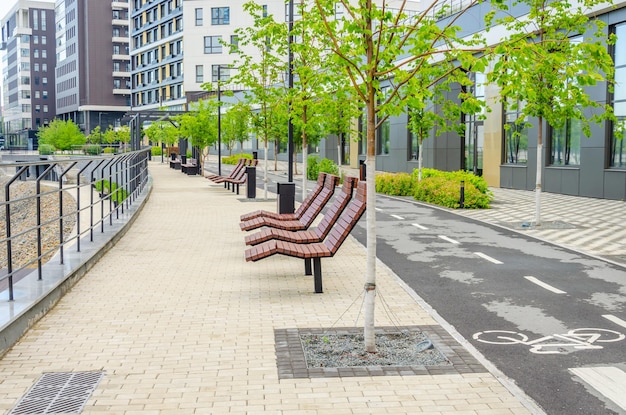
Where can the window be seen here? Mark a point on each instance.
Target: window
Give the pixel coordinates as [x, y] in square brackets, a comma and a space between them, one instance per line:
[44, 25]
[35, 53]
[565, 143]
[36, 19]
[515, 135]
[474, 131]
[36, 39]
[220, 15]
[44, 40]
[413, 144]
[44, 67]
[44, 81]
[383, 138]
[199, 73]
[234, 42]
[198, 17]
[224, 73]
[36, 67]
[44, 54]
[45, 108]
[212, 44]
[618, 130]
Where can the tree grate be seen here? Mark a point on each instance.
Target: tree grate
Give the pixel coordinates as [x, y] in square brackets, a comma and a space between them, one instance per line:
[58, 393]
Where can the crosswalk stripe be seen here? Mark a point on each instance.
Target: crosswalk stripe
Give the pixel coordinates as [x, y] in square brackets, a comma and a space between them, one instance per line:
[608, 380]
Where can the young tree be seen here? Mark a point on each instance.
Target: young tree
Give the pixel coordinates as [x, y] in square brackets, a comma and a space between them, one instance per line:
[429, 110]
[123, 135]
[200, 125]
[95, 137]
[311, 71]
[236, 124]
[162, 132]
[110, 136]
[341, 109]
[547, 66]
[375, 46]
[264, 77]
[62, 135]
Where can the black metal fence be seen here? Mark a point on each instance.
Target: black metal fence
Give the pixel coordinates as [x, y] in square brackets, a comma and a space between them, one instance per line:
[58, 203]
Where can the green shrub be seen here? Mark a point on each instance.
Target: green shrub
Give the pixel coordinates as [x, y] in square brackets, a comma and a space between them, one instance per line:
[437, 187]
[188, 154]
[443, 191]
[233, 159]
[315, 166]
[156, 150]
[395, 184]
[46, 149]
[109, 150]
[105, 187]
[92, 149]
[312, 167]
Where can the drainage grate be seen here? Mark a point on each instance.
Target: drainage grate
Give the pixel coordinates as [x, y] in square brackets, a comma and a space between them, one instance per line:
[58, 393]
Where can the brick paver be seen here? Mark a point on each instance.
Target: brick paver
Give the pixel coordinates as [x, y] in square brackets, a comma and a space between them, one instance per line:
[181, 324]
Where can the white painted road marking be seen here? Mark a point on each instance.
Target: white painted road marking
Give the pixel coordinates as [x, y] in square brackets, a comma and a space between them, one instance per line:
[445, 238]
[378, 209]
[608, 380]
[544, 285]
[397, 217]
[615, 320]
[488, 258]
[424, 228]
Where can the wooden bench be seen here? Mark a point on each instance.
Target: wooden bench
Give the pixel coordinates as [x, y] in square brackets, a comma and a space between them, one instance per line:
[175, 164]
[238, 172]
[316, 251]
[190, 168]
[242, 179]
[308, 216]
[313, 235]
[240, 164]
[290, 216]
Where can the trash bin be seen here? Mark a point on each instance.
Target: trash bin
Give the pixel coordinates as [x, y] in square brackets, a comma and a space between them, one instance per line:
[255, 155]
[251, 182]
[286, 197]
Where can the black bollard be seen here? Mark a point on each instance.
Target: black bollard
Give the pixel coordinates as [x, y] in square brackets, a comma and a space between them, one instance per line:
[462, 199]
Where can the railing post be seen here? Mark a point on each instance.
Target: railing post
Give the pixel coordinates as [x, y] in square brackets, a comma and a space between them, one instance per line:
[63, 173]
[7, 198]
[38, 203]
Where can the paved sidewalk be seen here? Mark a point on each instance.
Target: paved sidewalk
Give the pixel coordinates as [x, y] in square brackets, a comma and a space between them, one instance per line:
[179, 323]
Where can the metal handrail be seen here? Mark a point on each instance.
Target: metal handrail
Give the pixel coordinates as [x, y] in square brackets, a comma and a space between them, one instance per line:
[126, 175]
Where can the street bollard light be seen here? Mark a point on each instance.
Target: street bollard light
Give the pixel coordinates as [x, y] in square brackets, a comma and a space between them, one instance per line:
[462, 199]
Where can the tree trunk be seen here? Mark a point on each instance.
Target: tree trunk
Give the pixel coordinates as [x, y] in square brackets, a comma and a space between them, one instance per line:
[539, 171]
[305, 152]
[295, 161]
[276, 144]
[419, 163]
[266, 169]
[370, 282]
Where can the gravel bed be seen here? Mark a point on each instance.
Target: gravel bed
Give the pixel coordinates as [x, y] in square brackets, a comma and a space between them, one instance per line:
[392, 349]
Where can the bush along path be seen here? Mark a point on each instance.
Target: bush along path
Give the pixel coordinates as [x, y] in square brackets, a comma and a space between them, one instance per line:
[438, 187]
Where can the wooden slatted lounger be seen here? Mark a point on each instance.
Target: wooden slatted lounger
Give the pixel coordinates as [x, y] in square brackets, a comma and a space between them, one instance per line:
[307, 218]
[243, 177]
[316, 251]
[312, 235]
[290, 216]
[240, 166]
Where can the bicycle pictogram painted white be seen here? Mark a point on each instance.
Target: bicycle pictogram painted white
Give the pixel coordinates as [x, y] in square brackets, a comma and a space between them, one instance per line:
[575, 339]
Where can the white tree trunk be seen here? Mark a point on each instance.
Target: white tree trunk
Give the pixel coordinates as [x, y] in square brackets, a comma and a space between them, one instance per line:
[419, 163]
[305, 153]
[538, 185]
[265, 180]
[370, 280]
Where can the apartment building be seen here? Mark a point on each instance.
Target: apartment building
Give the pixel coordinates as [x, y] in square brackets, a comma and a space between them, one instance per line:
[201, 30]
[28, 71]
[93, 84]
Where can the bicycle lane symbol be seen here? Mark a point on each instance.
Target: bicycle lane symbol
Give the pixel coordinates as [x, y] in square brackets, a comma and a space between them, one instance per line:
[573, 340]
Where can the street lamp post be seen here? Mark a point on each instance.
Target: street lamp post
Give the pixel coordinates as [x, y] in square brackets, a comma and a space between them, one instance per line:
[100, 126]
[219, 120]
[290, 146]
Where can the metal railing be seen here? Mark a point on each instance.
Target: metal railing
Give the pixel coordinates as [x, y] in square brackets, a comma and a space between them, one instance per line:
[59, 203]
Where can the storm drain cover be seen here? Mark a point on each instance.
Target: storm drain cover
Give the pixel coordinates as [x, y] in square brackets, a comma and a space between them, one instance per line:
[58, 393]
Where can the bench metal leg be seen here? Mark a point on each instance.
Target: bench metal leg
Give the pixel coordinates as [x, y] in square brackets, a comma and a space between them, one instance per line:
[317, 274]
[307, 267]
[237, 188]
